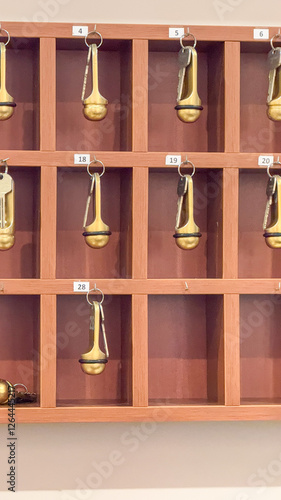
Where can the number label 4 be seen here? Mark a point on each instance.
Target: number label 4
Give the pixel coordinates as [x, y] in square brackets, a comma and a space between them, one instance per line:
[79, 30]
[81, 286]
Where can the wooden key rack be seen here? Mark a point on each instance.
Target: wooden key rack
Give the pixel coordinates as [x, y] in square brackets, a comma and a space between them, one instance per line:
[193, 334]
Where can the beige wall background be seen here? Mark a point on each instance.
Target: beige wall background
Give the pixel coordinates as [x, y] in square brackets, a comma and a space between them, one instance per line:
[240, 461]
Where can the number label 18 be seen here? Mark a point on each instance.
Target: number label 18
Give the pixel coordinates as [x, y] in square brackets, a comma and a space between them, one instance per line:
[81, 159]
[265, 161]
[173, 159]
[81, 286]
[79, 30]
[176, 32]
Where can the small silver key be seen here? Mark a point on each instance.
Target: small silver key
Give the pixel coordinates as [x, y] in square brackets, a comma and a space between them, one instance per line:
[6, 186]
[270, 190]
[103, 331]
[274, 58]
[181, 191]
[184, 59]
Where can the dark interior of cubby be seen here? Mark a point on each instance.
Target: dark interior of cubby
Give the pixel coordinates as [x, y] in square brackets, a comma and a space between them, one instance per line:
[165, 130]
[21, 131]
[258, 133]
[74, 131]
[260, 346]
[20, 334]
[165, 258]
[113, 386]
[23, 259]
[184, 348]
[256, 259]
[75, 259]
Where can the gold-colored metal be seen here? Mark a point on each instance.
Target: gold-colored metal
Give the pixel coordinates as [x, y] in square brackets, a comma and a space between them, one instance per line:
[274, 101]
[189, 103]
[96, 234]
[187, 232]
[6, 100]
[7, 210]
[95, 106]
[93, 362]
[6, 388]
[274, 227]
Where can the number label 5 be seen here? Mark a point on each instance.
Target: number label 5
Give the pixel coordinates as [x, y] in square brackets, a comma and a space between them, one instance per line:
[176, 32]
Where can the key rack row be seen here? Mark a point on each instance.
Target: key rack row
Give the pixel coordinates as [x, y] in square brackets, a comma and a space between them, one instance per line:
[193, 335]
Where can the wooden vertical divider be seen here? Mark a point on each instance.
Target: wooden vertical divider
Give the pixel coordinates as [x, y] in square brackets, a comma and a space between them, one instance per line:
[232, 97]
[231, 349]
[48, 221]
[140, 95]
[140, 349]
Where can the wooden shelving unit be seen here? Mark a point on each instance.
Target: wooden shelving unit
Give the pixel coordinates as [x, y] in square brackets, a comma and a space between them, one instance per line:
[193, 335]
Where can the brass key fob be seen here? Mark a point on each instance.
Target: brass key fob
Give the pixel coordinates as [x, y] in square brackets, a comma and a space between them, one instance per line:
[7, 210]
[95, 106]
[272, 231]
[188, 101]
[96, 234]
[8, 390]
[187, 232]
[7, 103]
[93, 362]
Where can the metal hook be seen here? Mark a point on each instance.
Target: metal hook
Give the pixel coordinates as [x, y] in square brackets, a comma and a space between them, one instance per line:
[4, 163]
[186, 35]
[186, 162]
[277, 35]
[94, 32]
[279, 286]
[186, 286]
[7, 32]
[96, 289]
[95, 161]
[275, 162]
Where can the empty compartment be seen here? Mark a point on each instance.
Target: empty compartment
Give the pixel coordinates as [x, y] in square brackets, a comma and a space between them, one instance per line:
[166, 132]
[20, 333]
[113, 385]
[74, 131]
[184, 349]
[256, 259]
[75, 259]
[23, 259]
[259, 134]
[21, 130]
[260, 346]
[165, 258]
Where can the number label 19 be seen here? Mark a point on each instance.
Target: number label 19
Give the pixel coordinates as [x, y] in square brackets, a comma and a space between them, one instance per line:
[81, 159]
[173, 159]
[176, 32]
[261, 34]
[81, 286]
[265, 161]
[80, 30]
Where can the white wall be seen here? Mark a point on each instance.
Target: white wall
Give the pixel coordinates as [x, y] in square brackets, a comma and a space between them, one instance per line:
[189, 460]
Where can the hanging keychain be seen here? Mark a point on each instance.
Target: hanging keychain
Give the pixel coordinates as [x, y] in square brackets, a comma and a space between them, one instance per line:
[272, 231]
[187, 232]
[93, 362]
[94, 106]
[7, 208]
[7, 103]
[188, 101]
[8, 391]
[274, 87]
[96, 234]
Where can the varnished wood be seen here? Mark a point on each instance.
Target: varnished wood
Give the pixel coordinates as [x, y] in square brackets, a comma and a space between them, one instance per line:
[140, 350]
[232, 96]
[140, 95]
[48, 234]
[47, 94]
[48, 351]
[231, 349]
[140, 222]
[230, 223]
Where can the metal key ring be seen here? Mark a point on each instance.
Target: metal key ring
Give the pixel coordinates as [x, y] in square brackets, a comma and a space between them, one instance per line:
[96, 33]
[95, 290]
[95, 161]
[186, 162]
[4, 162]
[277, 35]
[271, 165]
[187, 35]
[20, 385]
[8, 35]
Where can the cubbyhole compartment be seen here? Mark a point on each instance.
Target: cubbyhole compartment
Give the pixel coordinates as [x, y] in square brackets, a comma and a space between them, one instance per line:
[74, 131]
[166, 132]
[256, 259]
[111, 387]
[258, 133]
[20, 334]
[23, 259]
[75, 259]
[165, 258]
[260, 347]
[21, 131]
[184, 349]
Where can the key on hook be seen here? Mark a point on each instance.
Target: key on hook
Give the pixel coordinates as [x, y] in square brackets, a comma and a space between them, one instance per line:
[187, 232]
[7, 209]
[95, 106]
[93, 362]
[272, 232]
[96, 234]
[7, 103]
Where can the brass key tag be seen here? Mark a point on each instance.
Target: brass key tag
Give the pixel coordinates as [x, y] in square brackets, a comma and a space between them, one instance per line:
[93, 362]
[95, 106]
[272, 231]
[7, 210]
[6, 100]
[274, 86]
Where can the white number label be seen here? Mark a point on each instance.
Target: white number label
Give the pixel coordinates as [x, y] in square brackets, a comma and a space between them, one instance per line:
[173, 159]
[264, 161]
[261, 34]
[176, 32]
[81, 286]
[81, 159]
[79, 30]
